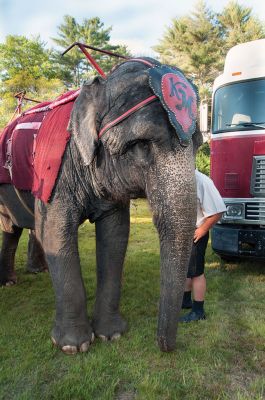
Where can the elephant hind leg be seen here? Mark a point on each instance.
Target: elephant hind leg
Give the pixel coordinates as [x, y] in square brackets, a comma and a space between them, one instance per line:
[36, 258]
[7, 256]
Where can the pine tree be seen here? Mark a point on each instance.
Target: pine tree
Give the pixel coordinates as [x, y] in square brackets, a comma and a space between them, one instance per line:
[199, 42]
[193, 44]
[74, 67]
[239, 25]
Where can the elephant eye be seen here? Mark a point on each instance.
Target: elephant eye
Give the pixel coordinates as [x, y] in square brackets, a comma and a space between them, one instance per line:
[138, 146]
[138, 151]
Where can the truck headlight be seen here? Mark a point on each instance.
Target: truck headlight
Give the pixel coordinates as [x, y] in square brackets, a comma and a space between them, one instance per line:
[234, 211]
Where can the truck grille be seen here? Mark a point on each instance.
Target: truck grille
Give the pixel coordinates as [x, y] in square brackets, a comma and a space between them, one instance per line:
[255, 211]
[258, 176]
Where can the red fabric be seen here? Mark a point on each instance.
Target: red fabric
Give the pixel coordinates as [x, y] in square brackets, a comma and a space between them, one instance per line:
[5, 135]
[180, 99]
[22, 149]
[50, 146]
[39, 174]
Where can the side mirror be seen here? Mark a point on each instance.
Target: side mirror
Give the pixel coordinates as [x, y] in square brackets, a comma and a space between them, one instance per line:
[204, 110]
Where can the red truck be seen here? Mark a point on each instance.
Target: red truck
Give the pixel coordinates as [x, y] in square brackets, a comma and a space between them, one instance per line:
[238, 151]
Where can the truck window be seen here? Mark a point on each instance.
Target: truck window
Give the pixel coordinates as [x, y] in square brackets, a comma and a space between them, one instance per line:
[238, 105]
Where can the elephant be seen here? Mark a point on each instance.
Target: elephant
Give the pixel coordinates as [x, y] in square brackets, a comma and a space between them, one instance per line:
[139, 157]
[11, 233]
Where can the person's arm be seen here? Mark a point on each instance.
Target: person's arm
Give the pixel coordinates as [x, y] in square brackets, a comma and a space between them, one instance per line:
[206, 226]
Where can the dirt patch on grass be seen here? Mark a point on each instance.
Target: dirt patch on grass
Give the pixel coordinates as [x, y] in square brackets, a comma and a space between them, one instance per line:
[123, 393]
[241, 381]
[130, 395]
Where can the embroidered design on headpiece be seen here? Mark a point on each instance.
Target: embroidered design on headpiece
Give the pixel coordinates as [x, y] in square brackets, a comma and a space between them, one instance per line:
[179, 97]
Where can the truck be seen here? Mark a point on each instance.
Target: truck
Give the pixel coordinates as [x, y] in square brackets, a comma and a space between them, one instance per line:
[237, 151]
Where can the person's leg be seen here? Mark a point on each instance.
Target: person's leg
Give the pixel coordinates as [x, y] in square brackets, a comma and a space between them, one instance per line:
[187, 301]
[198, 292]
[198, 283]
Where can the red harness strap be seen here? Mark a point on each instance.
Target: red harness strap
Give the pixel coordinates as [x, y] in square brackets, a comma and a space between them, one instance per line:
[135, 108]
[148, 63]
[126, 114]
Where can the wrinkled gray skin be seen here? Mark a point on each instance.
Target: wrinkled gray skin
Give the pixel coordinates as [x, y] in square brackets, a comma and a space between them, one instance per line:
[140, 157]
[12, 223]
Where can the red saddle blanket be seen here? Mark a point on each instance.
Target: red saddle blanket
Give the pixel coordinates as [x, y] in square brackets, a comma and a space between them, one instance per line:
[32, 146]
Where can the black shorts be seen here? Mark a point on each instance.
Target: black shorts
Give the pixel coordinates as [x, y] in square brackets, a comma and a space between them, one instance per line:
[197, 258]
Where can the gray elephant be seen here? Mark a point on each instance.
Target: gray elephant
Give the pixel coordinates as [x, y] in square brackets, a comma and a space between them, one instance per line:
[12, 228]
[106, 164]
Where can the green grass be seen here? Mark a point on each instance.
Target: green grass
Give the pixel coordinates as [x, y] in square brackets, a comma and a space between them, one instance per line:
[220, 358]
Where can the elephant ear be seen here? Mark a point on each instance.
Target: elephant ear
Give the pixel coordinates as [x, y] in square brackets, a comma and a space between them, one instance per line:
[82, 122]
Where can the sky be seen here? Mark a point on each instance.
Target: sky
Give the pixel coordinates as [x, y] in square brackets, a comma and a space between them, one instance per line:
[138, 24]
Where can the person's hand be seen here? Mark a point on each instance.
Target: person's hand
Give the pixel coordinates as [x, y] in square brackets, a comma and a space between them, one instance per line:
[206, 226]
[199, 233]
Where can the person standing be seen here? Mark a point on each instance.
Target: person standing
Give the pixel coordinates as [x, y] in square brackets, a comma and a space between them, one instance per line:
[210, 207]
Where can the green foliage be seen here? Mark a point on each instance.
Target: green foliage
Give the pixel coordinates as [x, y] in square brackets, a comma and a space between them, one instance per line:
[220, 358]
[193, 44]
[41, 89]
[197, 43]
[24, 57]
[25, 65]
[203, 159]
[73, 67]
[239, 25]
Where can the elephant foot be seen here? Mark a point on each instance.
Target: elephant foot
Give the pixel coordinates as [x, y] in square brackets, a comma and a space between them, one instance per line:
[33, 269]
[165, 345]
[9, 280]
[110, 327]
[73, 340]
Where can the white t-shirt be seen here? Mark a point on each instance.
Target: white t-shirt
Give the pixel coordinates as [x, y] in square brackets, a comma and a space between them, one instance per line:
[209, 200]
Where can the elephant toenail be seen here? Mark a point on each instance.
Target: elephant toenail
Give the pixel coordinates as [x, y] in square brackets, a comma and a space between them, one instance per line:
[84, 347]
[116, 336]
[53, 341]
[92, 337]
[103, 338]
[10, 283]
[69, 349]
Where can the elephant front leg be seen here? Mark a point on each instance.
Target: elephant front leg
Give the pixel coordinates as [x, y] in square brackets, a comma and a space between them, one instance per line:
[56, 230]
[112, 238]
[7, 257]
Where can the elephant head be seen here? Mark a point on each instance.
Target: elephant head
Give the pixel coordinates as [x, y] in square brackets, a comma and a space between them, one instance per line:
[142, 156]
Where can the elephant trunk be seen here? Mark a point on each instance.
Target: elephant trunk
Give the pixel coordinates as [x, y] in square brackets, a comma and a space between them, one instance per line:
[172, 196]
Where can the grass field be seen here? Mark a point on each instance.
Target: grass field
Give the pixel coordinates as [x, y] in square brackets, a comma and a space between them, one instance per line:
[220, 358]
